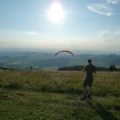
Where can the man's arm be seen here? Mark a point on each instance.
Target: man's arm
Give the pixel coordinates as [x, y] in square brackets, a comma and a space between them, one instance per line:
[84, 69]
[94, 69]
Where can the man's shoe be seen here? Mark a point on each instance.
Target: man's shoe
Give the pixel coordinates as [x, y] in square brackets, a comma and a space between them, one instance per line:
[83, 98]
[89, 97]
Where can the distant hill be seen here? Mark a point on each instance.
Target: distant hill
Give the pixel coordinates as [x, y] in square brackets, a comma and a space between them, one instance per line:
[39, 60]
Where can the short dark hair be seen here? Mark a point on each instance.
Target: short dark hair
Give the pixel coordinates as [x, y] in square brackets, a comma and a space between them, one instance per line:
[89, 60]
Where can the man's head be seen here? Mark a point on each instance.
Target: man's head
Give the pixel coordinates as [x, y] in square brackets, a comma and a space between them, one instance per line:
[89, 61]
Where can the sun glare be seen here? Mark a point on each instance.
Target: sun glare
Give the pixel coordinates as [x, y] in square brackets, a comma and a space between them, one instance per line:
[56, 12]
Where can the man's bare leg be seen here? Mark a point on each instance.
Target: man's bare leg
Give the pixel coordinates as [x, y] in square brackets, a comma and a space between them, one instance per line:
[84, 92]
[90, 92]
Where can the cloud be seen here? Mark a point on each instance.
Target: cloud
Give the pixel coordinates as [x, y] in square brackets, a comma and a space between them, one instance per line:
[117, 32]
[109, 35]
[104, 34]
[31, 33]
[100, 9]
[113, 1]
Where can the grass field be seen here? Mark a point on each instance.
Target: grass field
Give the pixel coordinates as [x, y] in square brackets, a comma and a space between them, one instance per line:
[55, 95]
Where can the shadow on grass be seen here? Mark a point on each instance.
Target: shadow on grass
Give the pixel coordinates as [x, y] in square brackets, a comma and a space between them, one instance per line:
[99, 109]
[60, 91]
[45, 89]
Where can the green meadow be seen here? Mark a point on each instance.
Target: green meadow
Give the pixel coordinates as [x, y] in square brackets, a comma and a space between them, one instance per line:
[55, 95]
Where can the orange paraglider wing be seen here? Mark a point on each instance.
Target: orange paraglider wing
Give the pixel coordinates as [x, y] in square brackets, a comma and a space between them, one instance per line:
[64, 51]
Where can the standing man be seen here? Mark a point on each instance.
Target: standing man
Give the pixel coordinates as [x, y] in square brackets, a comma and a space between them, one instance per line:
[90, 69]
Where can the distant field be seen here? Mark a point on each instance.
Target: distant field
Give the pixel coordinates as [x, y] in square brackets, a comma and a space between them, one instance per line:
[55, 95]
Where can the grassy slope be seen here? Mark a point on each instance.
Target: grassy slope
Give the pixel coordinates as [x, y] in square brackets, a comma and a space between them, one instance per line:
[55, 95]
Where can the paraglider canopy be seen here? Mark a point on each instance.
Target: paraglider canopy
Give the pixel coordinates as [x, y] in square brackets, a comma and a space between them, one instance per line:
[64, 51]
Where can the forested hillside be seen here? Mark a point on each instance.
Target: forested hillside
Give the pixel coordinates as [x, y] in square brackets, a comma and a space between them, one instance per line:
[39, 60]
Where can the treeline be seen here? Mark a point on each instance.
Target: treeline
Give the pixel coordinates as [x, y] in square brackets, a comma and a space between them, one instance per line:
[80, 68]
[5, 68]
[71, 68]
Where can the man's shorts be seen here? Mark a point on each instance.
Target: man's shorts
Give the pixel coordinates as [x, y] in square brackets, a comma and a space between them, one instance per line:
[88, 81]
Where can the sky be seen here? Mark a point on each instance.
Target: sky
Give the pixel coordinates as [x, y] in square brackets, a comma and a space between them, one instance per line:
[60, 24]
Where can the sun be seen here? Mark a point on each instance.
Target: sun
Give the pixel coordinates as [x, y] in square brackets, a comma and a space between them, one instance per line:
[56, 12]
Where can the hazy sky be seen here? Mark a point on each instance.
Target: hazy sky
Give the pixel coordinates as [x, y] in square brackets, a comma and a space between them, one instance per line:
[61, 24]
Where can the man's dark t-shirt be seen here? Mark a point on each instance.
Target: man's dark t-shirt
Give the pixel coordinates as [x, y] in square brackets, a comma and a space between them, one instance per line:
[89, 74]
